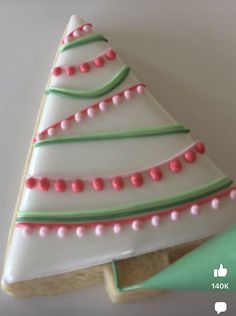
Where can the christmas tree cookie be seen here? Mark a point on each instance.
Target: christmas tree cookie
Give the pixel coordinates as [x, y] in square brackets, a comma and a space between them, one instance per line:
[114, 188]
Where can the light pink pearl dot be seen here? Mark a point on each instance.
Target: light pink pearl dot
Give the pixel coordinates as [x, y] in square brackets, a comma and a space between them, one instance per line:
[39, 137]
[128, 94]
[117, 228]
[61, 232]
[64, 125]
[51, 131]
[80, 231]
[215, 204]
[91, 112]
[86, 28]
[174, 215]
[43, 231]
[116, 100]
[76, 33]
[27, 231]
[194, 210]
[155, 220]
[136, 225]
[99, 230]
[67, 39]
[140, 89]
[78, 117]
[102, 106]
[233, 194]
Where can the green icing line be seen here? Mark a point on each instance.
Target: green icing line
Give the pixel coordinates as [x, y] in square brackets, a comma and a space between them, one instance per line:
[127, 210]
[165, 130]
[83, 41]
[93, 93]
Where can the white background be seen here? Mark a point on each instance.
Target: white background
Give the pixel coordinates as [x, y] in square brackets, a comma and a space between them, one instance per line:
[185, 51]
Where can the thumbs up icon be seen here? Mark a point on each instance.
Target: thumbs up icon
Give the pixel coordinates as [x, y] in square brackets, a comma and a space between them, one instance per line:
[221, 272]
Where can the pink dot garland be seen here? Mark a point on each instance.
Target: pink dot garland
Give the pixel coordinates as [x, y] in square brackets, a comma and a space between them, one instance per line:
[136, 179]
[118, 183]
[62, 232]
[98, 184]
[215, 204]
[99, 230]
[77, 186]
[155, 174]
[30, 183]
[117, 228]
[80, 231]
[44, 184]
[43, 231]
[60, 185]
[175, 166]
[77, 33]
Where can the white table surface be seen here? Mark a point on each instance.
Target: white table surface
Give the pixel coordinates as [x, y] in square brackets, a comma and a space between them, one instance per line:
[185, 51]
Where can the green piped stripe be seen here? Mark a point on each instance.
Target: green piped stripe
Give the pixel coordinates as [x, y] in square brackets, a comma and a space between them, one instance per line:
[93, 93]
[126, 210]
[158, 131]
[83, 41]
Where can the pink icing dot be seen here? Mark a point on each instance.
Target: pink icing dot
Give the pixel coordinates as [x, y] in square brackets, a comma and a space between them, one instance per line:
[79, 117]
[174, 215]
[51, 131]
[136, 225]
[175, 165]
[67, 39]
[136, 179]
[140, 89]
[60, 185]
[44, 184]
[56, 71]
[76, 33]
[200, 148]
[102, 106]
[30, 183]
[116, 100]
[65, 124]
[80, 231]
[117, 183]
[84, 67]
[61, 232]
[77, 186]
[155, 174]
[128, 94]
[215, 204]
[117, 228]
[98, 184]
[39, 137]
[86, 28]
[233, 194]
[27, 231]
[190, 156]
[99, 230]
[91, 112]
[70, 71]
[194, 210]
[155, 220]
[111, 54]
[99, 62]
[43, 231]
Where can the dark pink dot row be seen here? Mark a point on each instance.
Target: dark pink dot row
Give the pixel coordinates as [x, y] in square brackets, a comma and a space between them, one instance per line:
[85, 67]
[98, 184]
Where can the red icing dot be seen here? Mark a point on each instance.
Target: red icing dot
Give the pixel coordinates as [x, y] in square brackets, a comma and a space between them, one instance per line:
[77, 186]
[70, 71]
[98, 184]
[60, 185]
[118, 183]
[200, 148]
[111, 54]
[136, 179]
[30, 183]
[84, 67]
[190, 156]
[44, 184]
[155, 174]
[175, 165]
[99, 62]
[56, 71]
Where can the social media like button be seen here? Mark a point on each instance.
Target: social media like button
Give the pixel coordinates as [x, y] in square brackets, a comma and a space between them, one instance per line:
[220, 272]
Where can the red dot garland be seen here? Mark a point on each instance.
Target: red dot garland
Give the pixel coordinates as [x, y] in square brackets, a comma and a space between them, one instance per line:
[56, 71]
[136, 179]
[155, 174]
[99, 62]
[70, 71]
[190, 156]
[111, 54]
[44, 184]
[200, 148]
[98, 184]
[84, 67]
